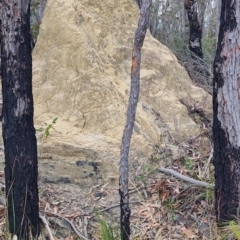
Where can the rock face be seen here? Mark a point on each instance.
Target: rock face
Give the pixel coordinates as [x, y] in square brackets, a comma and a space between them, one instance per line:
[81, 74]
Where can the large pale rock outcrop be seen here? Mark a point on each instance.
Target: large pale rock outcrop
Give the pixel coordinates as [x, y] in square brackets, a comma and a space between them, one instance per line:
[81, 74]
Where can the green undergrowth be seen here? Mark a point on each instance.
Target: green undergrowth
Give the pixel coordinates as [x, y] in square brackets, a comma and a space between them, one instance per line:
[107, 230]
[45, 131]
[235, 229]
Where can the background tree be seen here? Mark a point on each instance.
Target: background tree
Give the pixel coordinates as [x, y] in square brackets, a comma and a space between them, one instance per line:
[154, 17]
[226, 110]
[131, 112]
[218, 13]
[0, 21]
[173, 30]
[37, 8]
[166, 28]
[21, 166]
[0, 36]
[195, 36]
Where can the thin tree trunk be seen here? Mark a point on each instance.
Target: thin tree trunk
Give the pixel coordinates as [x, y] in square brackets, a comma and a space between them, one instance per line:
[226, 110]
[0, 21]
[202, 5]
[218, 10]
[165, 25]
[21, 166]
[154, 18]
[131, 111]
[195, 45]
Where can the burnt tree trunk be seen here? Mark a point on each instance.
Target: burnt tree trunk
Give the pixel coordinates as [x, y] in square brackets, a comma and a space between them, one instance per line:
[21, 166]
[195, 37]
[131, 111]
[226, 110]
[139, 3]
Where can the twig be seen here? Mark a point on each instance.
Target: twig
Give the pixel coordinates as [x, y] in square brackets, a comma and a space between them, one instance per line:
[72, 225]
[45, 222]
[108, 208]
[185, 178]
[85, 225]
[208, 162]
[138, 189]
[144, 190]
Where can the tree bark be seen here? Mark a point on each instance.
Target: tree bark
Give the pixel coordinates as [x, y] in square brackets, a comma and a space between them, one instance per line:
[165, 23]
[21, 166]
[195, 45]
[202, 5]
[226, 110]
[0, 21]
[131, 112]
[139, 3]
[218, 13]
[154, 18]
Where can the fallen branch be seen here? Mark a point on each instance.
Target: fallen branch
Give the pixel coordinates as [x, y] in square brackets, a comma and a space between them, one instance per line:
[45, 222]
[184, 178]
[106, 209]
[71, 224]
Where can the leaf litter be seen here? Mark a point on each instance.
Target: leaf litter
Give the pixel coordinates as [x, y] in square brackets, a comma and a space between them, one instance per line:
[162, 207]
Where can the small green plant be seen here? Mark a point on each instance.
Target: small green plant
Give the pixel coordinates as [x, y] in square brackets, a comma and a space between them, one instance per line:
[106, 231]
[188, 163]
[46, 131]
[35, 30]
[210, 194]
[170, 205]
[235, 229]
[155, 157]
[147, 171]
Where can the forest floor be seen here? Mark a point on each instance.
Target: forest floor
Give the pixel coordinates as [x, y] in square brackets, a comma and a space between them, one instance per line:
[162, 206]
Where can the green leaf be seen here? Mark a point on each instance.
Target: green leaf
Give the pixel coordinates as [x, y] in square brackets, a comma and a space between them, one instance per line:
[139, 177]
[55, 120]
[40, 129]
[46, 133]
[147, 167]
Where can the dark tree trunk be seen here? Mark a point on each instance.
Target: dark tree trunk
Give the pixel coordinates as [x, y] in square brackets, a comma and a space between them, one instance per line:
[139, 3]
[21, 166]
[226, 110]
[131, 111]
[195, 37]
